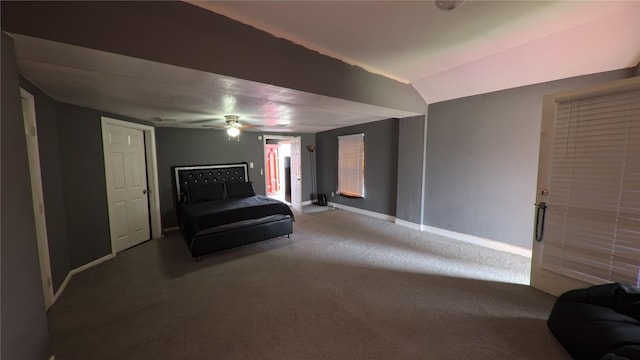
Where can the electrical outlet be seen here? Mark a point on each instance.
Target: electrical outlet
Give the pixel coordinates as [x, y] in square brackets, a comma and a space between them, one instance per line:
[332, 194]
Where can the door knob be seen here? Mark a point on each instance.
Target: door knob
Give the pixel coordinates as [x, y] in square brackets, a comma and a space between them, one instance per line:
[145, 191]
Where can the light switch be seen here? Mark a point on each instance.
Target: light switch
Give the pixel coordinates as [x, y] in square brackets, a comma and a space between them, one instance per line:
[261, 173]
[250, 165]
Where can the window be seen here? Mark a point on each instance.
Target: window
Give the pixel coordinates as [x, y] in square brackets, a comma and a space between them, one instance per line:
[351, 165]
[592, 230]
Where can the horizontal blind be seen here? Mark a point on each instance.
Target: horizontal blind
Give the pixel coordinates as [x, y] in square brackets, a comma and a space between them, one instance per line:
[592, 228]
[351, 165]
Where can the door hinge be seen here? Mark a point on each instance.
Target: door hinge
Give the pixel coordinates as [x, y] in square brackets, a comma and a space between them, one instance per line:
[41, 208]
[33, 130]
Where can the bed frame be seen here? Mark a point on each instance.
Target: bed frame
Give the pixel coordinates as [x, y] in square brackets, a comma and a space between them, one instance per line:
[229, 235]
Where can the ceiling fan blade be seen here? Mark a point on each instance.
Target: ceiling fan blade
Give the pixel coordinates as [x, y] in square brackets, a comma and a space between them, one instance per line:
[245, 126]
[213, 126]
[230, 121]
[200, 121]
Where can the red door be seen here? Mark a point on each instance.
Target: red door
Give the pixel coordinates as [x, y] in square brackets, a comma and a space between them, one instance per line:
[273, 169]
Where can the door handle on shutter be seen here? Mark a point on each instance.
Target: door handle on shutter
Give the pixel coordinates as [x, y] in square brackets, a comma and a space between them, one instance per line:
[541, 207]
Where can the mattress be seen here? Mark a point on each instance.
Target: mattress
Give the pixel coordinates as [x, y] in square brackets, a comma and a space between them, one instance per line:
[197, 217]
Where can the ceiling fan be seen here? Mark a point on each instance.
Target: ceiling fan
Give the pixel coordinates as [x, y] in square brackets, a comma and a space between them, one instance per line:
[233, 125]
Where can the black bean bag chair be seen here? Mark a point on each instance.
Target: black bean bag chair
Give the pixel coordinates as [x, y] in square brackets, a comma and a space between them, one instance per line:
[598, 323]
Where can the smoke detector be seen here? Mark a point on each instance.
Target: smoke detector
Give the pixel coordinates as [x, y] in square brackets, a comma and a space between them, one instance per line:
[448, 5]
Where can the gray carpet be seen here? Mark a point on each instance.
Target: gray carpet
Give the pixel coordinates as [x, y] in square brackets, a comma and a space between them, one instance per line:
[344, 286]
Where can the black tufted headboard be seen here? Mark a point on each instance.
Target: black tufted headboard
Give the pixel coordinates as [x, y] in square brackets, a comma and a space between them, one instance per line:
[185, 175]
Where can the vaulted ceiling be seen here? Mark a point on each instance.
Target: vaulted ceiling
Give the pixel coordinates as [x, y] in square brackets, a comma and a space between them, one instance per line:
[482, 46]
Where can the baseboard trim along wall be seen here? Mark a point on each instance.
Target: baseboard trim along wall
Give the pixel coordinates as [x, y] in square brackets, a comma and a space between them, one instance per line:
[362, 211]
[476, 240]
[78, 270]
[175, 228]
[471, 239]
[408, 224]
[61, 288]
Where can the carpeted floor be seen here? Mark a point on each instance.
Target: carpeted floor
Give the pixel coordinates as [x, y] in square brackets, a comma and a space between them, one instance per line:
[344, 286]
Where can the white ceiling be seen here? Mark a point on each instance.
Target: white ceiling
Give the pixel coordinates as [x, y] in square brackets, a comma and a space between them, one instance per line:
[173, 96]
[481, 47]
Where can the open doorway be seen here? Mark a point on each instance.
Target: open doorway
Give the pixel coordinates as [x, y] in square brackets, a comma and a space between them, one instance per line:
[283, 171]
[278, 168]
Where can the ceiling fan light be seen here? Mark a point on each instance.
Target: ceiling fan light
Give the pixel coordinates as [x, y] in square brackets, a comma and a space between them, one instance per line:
[233, 131]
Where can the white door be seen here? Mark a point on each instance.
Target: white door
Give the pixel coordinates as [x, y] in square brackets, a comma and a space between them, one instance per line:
[296, 174]
[31, 131]
[587, 226]
[125, 169]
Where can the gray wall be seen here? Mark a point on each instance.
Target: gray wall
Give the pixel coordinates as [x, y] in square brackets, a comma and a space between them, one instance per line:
[482, 160]
[178, 147]
[23, 329]
[51, 171]
[380, 165]
[74, 187]
[411, 149]
[83, 181]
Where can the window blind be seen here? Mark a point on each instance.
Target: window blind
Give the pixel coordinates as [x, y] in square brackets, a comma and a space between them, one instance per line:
[351, 165]
[592, 228]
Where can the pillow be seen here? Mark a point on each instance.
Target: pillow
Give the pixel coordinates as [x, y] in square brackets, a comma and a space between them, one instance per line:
[237, 189]
[205, 192]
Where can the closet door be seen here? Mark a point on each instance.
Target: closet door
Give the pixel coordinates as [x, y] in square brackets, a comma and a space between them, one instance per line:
[127, 190]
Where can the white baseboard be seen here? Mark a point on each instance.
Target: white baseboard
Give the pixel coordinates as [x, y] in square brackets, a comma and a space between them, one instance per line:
[408, 224]
[174, 228]
[488, 243]
[305, 203]
[472, 239]
[61, 288]
[78, 270]
[91, 264]
[362, 211]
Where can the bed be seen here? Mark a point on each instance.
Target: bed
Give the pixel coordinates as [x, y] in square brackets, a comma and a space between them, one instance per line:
[218, 209]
